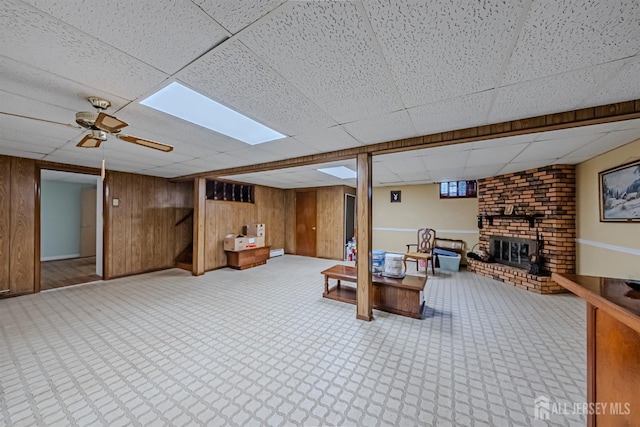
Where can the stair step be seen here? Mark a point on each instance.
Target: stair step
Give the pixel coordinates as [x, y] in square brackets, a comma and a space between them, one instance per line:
[184, 265]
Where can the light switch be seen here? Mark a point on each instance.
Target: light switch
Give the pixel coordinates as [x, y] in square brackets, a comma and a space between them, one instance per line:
[116, 202]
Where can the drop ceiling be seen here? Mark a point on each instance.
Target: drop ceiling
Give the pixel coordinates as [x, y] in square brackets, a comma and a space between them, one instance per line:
[330, 75]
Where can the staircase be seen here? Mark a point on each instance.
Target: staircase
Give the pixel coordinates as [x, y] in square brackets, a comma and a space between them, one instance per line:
[184, 234]
[185, 259]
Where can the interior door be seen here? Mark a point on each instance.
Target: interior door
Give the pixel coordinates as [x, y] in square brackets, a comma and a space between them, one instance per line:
[306, 223]
[88, 223]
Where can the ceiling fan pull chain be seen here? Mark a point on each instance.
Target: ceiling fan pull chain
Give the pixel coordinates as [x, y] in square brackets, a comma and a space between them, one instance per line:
[102, 171]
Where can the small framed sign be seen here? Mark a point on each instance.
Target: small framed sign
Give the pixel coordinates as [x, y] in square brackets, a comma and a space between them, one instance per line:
[395, 196]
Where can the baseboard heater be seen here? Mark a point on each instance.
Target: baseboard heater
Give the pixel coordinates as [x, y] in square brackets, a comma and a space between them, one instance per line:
[276, 252]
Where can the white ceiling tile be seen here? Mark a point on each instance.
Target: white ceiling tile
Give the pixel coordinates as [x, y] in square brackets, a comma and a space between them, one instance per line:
[326, 51]
[452, 174]
[247, 85]
[489, 156]
[607, 142]
[19, 153]
[77, 156]
[215, 162]
[254, 155]
[414, 176]
[439, 49]
[334, 138]
[520, 167]
[628, 124]
[452, 114]
[445, 160]
[28, 35]
[479, 172]
[382, 173]
[16, 104]
[582, 131]
[501, 142]
[621, 87]
[235, 15]
[47, 88]
[396, 125]
[565, 35]
[21, 146]
[288, 147]
[552, 148]
[574, 160]
[172, 170]
[548, 95]
[387, 183]
[405, 165]
[40, 134]
[167, 37]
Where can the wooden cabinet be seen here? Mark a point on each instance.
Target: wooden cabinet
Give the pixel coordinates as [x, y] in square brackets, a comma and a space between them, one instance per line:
[248, 258]
[613, 348]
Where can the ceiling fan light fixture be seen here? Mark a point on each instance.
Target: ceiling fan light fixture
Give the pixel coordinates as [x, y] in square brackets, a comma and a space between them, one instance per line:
[86, 119]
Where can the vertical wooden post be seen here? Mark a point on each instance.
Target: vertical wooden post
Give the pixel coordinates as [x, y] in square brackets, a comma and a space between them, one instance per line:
[199, 203]
[364, 303]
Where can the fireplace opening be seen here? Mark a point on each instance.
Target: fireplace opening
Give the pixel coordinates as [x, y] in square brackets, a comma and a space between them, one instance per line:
[512, 251]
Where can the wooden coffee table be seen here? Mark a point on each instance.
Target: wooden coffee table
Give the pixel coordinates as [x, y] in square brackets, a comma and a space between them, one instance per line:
[399, 296]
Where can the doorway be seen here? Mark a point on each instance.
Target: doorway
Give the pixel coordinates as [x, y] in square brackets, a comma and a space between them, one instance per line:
[70, 228]
[306, 223]
[349, 219]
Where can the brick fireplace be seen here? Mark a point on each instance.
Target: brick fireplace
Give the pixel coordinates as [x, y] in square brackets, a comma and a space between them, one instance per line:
[547, 192]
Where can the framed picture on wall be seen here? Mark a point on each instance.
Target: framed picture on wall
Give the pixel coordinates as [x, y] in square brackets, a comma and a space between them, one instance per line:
[620, 193]
[395, 196]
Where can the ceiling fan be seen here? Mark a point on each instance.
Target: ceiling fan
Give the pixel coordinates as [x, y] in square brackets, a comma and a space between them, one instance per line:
[100, 124]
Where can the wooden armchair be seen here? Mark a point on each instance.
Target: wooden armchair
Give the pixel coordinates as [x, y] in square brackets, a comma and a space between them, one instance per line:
[424, 248]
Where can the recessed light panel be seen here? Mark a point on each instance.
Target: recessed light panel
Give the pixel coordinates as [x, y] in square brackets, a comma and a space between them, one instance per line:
[341, 172]
[187, 104]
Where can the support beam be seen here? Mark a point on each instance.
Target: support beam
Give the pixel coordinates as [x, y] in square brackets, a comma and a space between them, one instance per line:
[364, 303]
[199, 203]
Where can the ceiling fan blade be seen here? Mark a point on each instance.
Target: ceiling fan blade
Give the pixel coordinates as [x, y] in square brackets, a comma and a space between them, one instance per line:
[89, 142]
[69, 125]
[109, 123]
[146, 143]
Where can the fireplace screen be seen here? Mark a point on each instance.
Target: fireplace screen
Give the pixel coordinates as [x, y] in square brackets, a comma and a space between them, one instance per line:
[512, 251]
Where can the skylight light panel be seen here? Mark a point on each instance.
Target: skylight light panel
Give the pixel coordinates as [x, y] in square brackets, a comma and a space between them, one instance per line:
[341, 172]
[187, 104]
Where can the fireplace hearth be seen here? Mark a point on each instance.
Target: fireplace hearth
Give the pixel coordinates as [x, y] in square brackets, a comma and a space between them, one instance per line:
[512, 251]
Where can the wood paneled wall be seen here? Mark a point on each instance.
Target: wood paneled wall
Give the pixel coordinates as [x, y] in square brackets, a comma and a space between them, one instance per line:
[5, 221]
[224, 218]
[17, 225]
[141, 231]
[290, 221]
[330, 217]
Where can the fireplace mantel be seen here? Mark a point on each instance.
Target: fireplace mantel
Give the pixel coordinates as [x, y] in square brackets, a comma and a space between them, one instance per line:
[531, 218]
